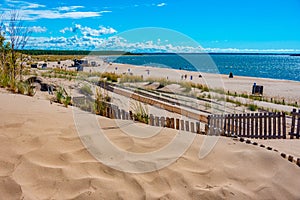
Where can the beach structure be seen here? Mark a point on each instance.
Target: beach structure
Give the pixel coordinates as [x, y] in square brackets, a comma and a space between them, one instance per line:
[80, 64]
[257, 89]
[33, 65]
[93, 63]
[44, 65]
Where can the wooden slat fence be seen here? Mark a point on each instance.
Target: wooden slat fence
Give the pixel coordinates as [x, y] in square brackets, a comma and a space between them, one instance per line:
[295, 127]
[114, 112]
[254, 125]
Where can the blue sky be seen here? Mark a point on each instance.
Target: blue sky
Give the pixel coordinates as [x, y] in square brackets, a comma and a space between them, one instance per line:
[177, 25]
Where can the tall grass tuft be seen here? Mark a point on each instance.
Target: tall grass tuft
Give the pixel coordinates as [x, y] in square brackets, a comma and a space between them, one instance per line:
[140, 112]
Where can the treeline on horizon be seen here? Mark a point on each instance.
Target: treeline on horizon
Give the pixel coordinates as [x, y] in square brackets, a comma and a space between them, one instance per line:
[108, 53]
[72, 52]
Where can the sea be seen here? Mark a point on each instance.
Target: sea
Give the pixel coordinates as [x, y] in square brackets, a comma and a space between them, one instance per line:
[274, 66]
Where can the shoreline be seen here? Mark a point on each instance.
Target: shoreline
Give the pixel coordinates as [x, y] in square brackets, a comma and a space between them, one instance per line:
[273, 88]
[239, 76]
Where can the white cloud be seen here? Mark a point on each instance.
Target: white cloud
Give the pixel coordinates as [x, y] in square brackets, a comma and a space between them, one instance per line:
[52, 14]
[119, 43]
[38, 29]
[87, 31]
[69, 8]
[33, 11]
[161, 4]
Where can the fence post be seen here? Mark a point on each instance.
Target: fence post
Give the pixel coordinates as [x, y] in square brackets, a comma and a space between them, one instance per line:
[283, 126]
[177, 124]
[252, 125]
[279, 125]
[240, 125]
[182, 125]
[244, 125]
[298, 125]
[163, 122]
[192, 127]
[187, 128]
[222, 125]
[260, 125]
[274, 126]
[256, 125]
[113, 112]
[122, 114]
[172, 123]
[207, 126]
[198, 127]
[156, 121]
[119, 114]
[265, 126]
[108, 111]
[227, 125]
[248, 124]
[168, 122]
[151, 120]
[270, 125]
[232, 125]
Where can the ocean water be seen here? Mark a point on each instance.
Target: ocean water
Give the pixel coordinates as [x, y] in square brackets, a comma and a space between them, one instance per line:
[284, 67]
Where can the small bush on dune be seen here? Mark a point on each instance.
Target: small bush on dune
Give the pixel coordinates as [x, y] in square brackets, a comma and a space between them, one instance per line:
[59, 95]
[131, 79]
[140, 113]
[67, 101]
[62, 97]
[86, 90]
[110, 76]
[252, 107]
[101, 102]
[21, 87]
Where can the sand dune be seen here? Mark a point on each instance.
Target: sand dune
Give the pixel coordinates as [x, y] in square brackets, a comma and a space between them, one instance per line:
[42, 157]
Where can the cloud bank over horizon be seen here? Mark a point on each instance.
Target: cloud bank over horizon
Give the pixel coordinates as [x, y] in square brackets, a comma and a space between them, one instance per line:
[81, 25]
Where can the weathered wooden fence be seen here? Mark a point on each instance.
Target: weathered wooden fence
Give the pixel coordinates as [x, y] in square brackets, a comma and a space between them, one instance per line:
[254, 125]
[114, 112]
[295, 127]
[175, 123]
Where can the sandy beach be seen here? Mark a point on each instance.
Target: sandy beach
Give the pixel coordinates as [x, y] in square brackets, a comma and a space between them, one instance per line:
[149, 100]
[42, 157]
[276, 89]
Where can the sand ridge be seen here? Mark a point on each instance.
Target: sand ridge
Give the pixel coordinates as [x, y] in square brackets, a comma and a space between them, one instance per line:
[41, 157]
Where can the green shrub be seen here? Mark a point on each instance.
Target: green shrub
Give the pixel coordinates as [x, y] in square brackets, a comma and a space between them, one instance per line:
[110, 76]
[62, 97]
[131, 79]
[187, 86]
[252, 107]
[140, 113]
[86, 90]
[59, 95]
[205, 89]
[21, 87]
[101, 102]
[67, 101]
[30, 91]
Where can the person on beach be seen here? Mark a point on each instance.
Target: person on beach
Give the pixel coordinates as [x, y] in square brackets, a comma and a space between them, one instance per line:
[50, 89]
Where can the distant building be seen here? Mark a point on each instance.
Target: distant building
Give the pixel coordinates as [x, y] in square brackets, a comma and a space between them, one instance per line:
[79, 64]
[93, 64]
[34, 65]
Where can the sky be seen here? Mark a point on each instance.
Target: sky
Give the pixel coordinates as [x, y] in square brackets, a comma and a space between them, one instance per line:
[161, 25]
